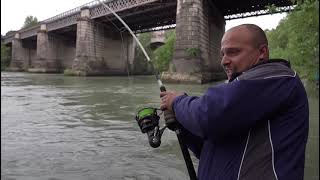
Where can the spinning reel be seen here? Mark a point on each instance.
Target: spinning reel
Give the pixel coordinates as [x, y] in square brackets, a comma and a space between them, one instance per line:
[148, 121]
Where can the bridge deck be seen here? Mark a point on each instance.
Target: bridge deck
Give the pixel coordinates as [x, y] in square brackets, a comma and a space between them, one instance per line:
[143, 15]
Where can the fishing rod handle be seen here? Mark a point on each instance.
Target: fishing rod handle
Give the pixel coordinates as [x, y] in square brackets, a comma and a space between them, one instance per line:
[171, 119]
[186, 156]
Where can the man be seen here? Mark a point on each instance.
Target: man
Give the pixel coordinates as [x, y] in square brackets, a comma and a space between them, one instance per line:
[253, 128]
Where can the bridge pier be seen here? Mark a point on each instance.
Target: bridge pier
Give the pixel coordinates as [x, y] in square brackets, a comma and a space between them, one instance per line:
[86, 62]
[18, 55]
[199, 29]
[99, 49]
[47, 54]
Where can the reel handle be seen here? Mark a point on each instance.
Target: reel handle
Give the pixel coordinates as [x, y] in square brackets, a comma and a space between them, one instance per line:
[154, 136]
[154, 139]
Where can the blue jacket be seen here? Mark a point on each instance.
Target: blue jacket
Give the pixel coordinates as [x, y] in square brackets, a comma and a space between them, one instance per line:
[253, 128]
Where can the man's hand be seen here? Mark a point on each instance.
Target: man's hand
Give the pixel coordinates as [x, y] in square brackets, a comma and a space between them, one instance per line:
[167, 98]
[166, 105]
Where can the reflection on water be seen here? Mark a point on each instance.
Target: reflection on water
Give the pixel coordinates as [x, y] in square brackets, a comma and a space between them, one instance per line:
[56, 127]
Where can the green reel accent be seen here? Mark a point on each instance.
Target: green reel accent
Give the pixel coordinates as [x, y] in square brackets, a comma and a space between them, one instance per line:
[147, 119]
[146, 112]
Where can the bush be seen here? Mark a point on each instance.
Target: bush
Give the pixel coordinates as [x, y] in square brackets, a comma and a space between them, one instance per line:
[5, 56]
[164, 54]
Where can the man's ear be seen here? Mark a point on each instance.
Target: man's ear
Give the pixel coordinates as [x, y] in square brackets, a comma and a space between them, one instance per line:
[264, 52]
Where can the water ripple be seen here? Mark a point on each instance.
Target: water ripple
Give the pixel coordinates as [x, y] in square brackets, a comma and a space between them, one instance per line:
[72, 128]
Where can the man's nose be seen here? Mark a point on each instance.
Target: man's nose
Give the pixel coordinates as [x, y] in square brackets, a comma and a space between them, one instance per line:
[225, 61]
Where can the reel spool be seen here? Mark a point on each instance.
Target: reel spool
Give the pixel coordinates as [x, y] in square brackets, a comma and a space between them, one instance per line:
[148, 121]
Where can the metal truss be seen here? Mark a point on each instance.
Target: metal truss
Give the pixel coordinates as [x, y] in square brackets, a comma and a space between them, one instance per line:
[258, 13]
[172, 26]
[70, 17]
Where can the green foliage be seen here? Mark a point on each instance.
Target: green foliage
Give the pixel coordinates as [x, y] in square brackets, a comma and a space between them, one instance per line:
[164, 54]
[141, 63]
[297, 39]
[30, 21]
[271, 8]
[193, 52]
[144, 39]
[300, 3]
[161, 57]
[5, 57]
[69, 72]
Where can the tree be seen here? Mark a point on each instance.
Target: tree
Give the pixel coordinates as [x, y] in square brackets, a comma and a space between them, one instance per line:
[30, 21]
[297, 39]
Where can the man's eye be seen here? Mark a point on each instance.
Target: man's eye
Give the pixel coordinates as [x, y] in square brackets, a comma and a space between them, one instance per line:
[233, 52]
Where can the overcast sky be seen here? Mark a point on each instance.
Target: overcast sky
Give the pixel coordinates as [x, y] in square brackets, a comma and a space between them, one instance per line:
[14, 12]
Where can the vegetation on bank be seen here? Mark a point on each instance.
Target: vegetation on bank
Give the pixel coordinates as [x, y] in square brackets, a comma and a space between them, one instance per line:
[141, 65]
[5, 51]
[69, 72]
[5, 56]
[296, 39]
[160, 57]
[163, 55]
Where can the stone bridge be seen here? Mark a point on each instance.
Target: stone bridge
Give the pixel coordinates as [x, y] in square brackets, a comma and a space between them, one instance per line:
[89, 40]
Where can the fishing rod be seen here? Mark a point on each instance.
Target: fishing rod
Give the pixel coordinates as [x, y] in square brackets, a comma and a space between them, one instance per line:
[148, 118]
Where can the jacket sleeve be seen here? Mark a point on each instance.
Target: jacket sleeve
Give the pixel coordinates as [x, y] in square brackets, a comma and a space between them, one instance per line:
[233, 108]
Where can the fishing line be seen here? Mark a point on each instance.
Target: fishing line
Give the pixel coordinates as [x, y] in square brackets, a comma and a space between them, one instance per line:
[157, 74]
[121, 30]
[148, 118]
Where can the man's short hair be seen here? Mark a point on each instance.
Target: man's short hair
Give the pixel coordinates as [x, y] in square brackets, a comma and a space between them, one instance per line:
[259, 36]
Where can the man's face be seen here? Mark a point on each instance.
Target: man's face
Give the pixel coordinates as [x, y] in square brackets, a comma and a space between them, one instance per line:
[238, 50]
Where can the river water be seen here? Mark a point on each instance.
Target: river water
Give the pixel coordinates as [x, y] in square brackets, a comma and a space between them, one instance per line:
[56, 127]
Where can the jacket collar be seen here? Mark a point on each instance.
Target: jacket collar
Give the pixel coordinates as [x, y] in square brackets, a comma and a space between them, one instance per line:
[261, 63]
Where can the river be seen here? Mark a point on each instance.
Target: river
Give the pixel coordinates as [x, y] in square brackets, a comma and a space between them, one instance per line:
[56, 127]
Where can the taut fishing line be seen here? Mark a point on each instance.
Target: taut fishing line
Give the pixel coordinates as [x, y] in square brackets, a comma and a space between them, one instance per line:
[148, 118]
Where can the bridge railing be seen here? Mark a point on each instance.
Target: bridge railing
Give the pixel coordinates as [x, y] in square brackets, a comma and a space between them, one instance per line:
[25, 33]
[8, 38]
[68, 20]
[116, 5]
[71, 12]
[70, 17]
